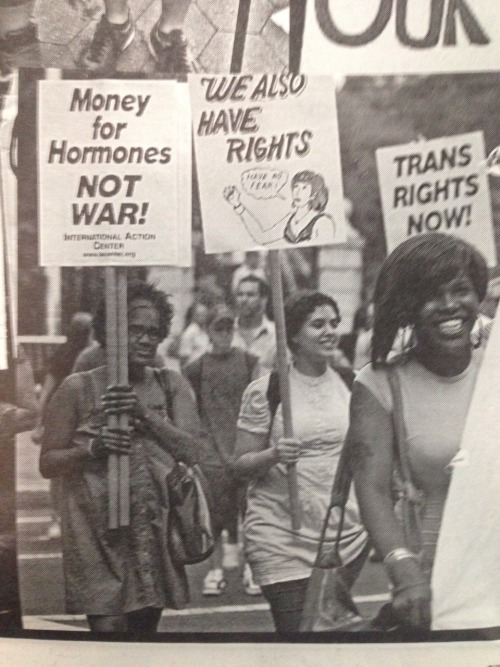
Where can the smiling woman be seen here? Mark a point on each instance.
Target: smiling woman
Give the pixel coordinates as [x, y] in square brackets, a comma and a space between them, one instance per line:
[432, 284]
[281, 557]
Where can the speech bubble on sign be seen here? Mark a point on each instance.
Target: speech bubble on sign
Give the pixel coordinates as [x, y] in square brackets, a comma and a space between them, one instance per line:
[264, 183]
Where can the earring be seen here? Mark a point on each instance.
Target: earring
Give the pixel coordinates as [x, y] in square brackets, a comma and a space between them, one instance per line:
[477, 333]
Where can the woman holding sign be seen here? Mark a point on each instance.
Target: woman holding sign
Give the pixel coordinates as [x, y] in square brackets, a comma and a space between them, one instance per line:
[433, 284]
[280, 557]
[121, 579]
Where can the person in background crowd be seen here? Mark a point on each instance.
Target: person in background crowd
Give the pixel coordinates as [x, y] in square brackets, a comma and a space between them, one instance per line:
[116, 31]
[60, 366]
[122, 580]
[18, 412]
[433, 284]
[219, 378]
[253, 331]
[282, 558]
[19, 45]
[252, 266]
[194, 340]
[23, 415]
[363, 346]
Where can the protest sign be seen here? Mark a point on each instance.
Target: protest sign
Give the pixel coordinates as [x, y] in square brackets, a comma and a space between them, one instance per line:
[268, 160]
[440, 185]
[466, 576]
[3, 299]
[113, 177]
[400, 36]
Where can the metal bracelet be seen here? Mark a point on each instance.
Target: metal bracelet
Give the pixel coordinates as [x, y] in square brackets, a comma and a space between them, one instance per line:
[398, 554]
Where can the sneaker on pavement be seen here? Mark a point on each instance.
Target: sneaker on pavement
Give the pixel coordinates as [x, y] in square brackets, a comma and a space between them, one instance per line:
[171, 51]
[54, 531]
[249, 585]
[108, 43]
[21, 48]
[230, 556]
[214, 582]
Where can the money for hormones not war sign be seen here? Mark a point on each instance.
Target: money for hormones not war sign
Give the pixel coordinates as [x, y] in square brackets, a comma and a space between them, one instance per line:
[114, 179]
[268, 159]
[440, 185]
[400, 36]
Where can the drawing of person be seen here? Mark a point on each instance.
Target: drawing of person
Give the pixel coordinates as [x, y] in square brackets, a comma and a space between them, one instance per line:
[306, 221]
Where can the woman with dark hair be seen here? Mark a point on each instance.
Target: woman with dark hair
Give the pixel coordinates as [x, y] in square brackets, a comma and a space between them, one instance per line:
[433, 285]
[120, 579]
[282, 558]
[307, 220]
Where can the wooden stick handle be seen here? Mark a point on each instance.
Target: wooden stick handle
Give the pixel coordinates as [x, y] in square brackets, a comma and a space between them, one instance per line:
[282, 365]
[112, 379]
[123, 421]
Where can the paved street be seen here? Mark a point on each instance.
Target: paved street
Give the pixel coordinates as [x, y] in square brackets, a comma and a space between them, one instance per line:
[41, 582]
[66, 27]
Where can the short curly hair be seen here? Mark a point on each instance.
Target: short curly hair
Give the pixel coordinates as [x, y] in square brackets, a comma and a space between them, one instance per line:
[409, 277]
[137, 289]
[299, 306]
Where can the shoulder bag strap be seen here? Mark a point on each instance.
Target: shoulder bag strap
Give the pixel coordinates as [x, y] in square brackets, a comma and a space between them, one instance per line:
[163, 377]
[400, 431]
[412, 498]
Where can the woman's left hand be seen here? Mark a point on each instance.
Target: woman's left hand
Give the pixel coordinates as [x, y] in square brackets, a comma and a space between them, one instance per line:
[119, 400]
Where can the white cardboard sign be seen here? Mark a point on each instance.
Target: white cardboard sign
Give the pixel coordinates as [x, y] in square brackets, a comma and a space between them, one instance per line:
[440, 185]
[400, 36]
[114, 173]
[268, 158]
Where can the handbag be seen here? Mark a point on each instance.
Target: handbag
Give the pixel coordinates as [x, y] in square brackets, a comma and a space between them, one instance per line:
[329, 605]
[190, 535]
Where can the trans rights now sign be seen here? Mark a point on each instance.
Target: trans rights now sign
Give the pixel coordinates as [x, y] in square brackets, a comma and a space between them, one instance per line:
[114, 165]
[400, 36]
[439, 185]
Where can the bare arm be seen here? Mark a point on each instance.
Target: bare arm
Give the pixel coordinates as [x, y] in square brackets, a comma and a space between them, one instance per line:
[253, 457]
[260, 234]
[372, 442]
[372, 453]
[59, 456]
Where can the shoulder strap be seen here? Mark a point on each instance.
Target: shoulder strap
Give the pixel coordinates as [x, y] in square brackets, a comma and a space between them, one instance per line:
[412, 498]
[399, 428]
[163, 377]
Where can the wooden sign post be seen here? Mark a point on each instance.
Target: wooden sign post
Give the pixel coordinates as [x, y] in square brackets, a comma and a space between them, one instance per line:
[282, 367]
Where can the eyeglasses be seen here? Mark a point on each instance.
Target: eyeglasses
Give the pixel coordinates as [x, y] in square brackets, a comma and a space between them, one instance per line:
[136, 333]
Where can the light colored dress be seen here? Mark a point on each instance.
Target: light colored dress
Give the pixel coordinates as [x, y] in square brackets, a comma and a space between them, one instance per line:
[434, 412]
[320, 408]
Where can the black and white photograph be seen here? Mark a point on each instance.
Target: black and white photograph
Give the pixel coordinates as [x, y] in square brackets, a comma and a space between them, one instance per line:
[249, 354]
